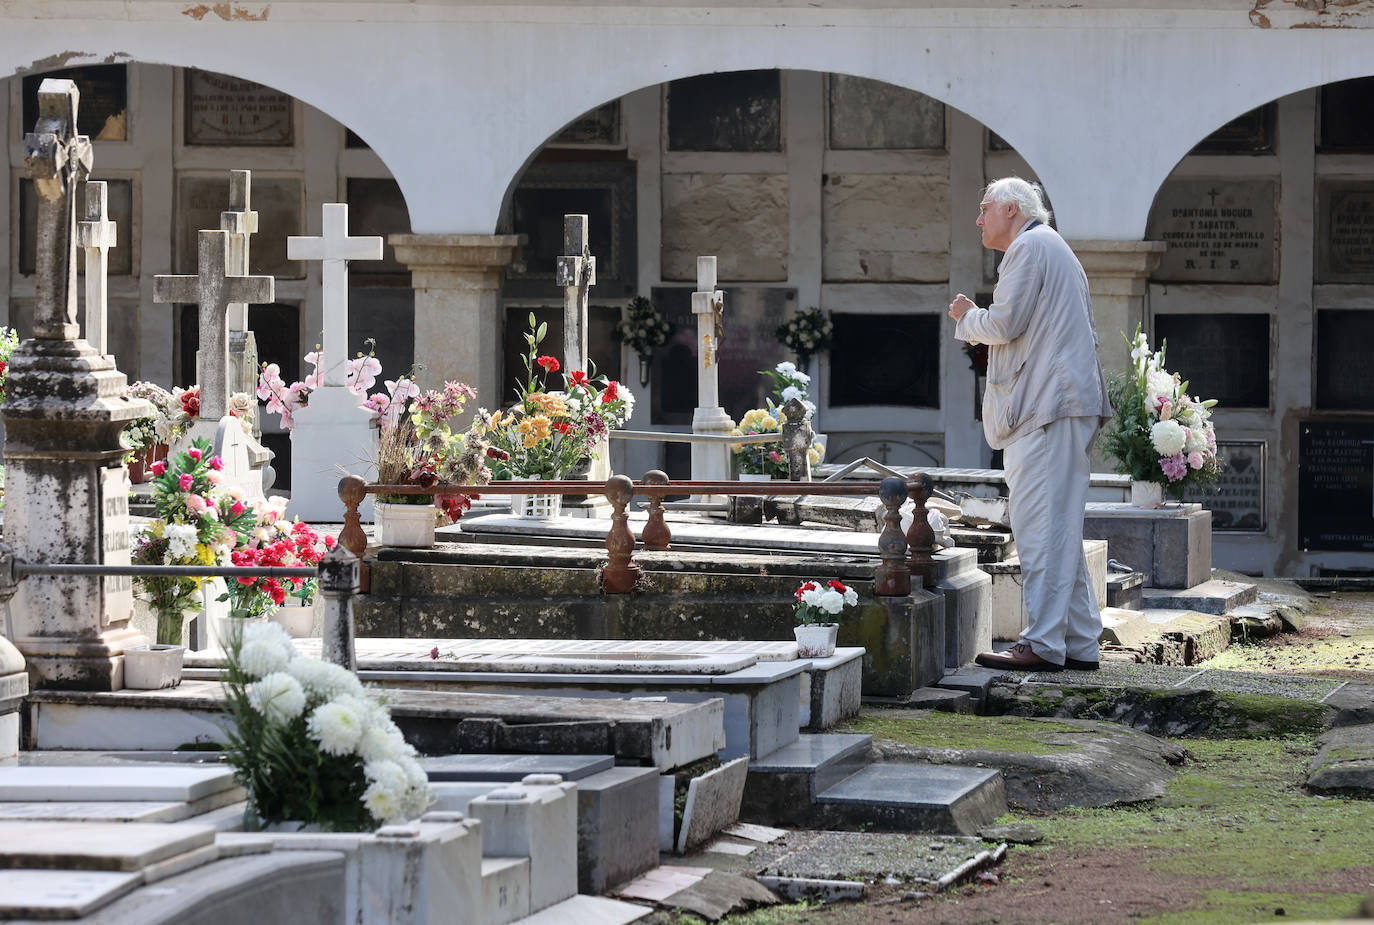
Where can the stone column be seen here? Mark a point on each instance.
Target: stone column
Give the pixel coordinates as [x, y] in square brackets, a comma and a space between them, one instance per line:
[1118, 272]
[457, 281]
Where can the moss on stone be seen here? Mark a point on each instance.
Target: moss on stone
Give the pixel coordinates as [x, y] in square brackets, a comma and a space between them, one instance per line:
[936, 729]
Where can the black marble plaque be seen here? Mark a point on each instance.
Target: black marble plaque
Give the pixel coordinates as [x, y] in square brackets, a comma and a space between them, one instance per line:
[276, 328]
[120, 202]
[1218, 231]
[600, 126]
[1345, 359]
[1336, 485]
[1252, 133]
[102, 112]
[387, 316]
[752, 315]
[1237, 504]
[870, 114]
[889, 360]
[997, 143]
[1345, 231]
[277, 200]
[229, 111]
[734, 111]
[376, 207]
[1346, 115]
[1225, 357]
[604, 191]
[602, 347]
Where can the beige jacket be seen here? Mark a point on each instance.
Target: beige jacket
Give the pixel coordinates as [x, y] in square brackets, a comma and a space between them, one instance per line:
[1042, 356]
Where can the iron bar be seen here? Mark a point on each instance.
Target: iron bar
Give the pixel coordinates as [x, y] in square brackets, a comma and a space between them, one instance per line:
[22, 569]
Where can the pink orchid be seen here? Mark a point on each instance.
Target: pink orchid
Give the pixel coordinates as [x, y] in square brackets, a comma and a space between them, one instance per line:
[362, 373]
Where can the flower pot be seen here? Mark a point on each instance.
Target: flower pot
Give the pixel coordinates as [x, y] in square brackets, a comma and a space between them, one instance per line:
[1148, 495]
[296, 617]
[151, 668]
[816, 640]
[536, 507]
[140, 466]
[409, 525]
[228, 631]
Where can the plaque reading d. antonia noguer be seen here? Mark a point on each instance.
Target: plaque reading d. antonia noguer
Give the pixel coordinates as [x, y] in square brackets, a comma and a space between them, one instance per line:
[1218, 231]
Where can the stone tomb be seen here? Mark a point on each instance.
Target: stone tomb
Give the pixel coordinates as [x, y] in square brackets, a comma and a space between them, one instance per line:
[1171, 547]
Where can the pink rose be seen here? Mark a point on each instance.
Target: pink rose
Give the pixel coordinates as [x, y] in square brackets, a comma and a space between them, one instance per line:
[1195, 459]
[237, 508]
[184, 483]
[159, 467]
[195, 453]
[216, 463]
[214, 477]
[434, 652]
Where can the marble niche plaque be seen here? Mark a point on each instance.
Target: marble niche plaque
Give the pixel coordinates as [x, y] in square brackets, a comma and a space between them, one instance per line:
[1251, 133]
[885, 228]
[872, 115]
[752, 314]
[1226, 356]
[1237, 504]
[887, 360]
[104, 111]
[733, 111]
[1345, 376]
[228, 111]
[114, 532]
[1218, 231]
[1336, 485]
[1345, 114]
[1345, 231]
[277, 200]
[120, 196]
[741, 218]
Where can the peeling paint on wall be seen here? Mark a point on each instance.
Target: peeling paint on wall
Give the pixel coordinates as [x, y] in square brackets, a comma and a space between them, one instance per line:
[65, 58]
[228, 12]
[1313, 14]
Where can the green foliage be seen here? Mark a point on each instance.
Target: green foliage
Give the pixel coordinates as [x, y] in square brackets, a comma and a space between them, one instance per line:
[643, 328]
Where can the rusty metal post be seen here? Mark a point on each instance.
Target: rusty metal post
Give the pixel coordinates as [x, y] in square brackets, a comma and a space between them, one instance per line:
[620, 573]
[656, 533]
[352, 491]
[920, 539]
[892, 578]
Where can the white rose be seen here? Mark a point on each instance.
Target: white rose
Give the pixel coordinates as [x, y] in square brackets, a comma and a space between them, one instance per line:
[787, 368]
[1159, 384]
[831, 601]
[1167, 437]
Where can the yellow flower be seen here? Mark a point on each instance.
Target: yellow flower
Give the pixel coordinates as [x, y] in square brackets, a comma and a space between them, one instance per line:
[552, 405]
[496, 418]
[533, 430]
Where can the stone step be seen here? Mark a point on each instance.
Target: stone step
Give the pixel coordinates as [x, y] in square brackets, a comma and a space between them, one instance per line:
[1215, 596]
[1124, 590]
[590, 910]
[780, 787]
[1009, 616]
[505, 890]
[916, 798]
[1184, 637]
[1125, 627]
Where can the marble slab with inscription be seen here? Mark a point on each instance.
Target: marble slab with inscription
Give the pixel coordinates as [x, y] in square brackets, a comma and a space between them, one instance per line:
[225, 110]
[740, 218]
[1218, 231]
[870, 114]
[1345, 231]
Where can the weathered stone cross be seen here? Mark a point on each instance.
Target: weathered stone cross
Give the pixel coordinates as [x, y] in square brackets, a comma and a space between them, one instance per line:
[577, 275]
[334, 248]
[96, 235]
[56, 159]
[709, 460]
[240, 222]
[213, 289]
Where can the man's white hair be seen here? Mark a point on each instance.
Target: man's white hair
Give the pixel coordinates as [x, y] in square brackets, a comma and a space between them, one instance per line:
[1028, 197]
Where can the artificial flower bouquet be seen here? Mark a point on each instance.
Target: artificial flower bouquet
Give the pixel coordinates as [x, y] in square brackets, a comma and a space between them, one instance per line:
[198, 522]
[9, 339]
[310, 744]
[548, 432]
[643, 328]
[769, 458]
[168, 422]
[822, 602]
[1159, 433]
[806, 333]
[274, 541]
[285, 400]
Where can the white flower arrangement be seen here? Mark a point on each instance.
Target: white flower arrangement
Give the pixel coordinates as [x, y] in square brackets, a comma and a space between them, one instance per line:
[806, 333]
[816, 601]
[309, 743]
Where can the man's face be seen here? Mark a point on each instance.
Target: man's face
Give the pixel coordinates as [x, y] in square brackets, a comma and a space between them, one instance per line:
[998, 221]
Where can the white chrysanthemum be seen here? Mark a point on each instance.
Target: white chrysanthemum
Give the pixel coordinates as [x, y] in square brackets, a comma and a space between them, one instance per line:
[181, 540]
[278, 697]
[1167, 437]
[381, 742]
[261, 657]
[270, 632]
[387, 773]
[336, 726]
[383, 803]
[416, 777]
[324, 680]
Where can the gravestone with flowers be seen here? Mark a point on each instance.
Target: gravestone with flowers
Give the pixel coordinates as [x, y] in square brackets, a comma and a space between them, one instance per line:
[333, 431]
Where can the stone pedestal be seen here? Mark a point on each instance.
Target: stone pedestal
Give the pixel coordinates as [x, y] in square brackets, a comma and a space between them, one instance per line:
[247, 463]
[903, 639]
[1171, 546]
[1118, 272]
[334, 435]
[457, 281]
[67, 501]
[968, 604]
[1008, 596]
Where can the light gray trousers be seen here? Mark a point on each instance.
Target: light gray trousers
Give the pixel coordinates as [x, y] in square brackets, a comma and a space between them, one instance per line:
[1047, 477]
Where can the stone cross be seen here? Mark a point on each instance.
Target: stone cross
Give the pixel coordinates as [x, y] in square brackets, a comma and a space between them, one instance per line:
[710, 461]
[240, 222]
[213, 289]
[96, 235]
[577, 275]
[334, 248]
[56, 158]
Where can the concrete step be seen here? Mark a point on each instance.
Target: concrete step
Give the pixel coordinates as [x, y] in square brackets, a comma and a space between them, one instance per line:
[1124, 589]
[916, 798]
[505, 890]
[1125, 627]
[1009, 615]
[1214, 596]
[781, 786]
[589, 910]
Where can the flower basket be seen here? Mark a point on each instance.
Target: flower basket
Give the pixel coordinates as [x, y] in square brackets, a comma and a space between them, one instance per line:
[407, 525]
[153, 667]
[816, 640]
[536, 507]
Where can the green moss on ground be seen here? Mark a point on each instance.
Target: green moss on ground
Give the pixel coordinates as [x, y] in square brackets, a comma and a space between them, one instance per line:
[934, 729]
[1221, 907]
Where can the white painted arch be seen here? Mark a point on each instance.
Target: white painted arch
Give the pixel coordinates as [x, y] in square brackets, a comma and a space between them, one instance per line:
[1102, 102]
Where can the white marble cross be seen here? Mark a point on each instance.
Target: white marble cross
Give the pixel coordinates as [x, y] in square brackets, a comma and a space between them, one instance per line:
[334, 249]
[577, 275]
[213, 289]
[709, 460]
[96, 235]
[240, 222]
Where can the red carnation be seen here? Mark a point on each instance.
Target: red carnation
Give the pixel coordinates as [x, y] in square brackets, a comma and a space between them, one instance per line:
[612, 391]
[578, 377]
[549, 363]
[837, 585]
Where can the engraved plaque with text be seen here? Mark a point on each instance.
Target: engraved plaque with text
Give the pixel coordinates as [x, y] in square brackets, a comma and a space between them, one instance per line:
[1237, 504]
[224, 110]
[1345, 232]
[114, 532]
[1336, 485]
[1218, 231]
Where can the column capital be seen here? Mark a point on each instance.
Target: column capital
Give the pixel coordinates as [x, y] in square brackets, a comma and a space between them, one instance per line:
[456, 261]
[1118, 267]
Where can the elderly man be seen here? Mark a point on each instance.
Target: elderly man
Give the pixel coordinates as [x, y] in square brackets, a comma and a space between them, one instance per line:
[1045, 400]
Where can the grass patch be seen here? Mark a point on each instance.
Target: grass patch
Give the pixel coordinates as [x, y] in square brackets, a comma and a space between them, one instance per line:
[935, 729]
[1220, 907]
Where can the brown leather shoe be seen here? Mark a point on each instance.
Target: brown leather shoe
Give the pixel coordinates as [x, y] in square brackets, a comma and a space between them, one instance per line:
[1018, 658]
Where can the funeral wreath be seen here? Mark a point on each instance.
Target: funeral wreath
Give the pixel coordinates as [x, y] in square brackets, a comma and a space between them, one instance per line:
[806, 333]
